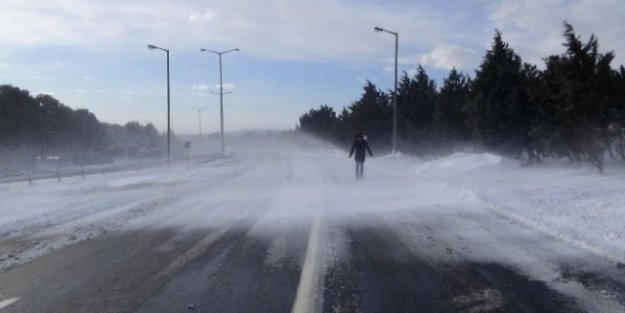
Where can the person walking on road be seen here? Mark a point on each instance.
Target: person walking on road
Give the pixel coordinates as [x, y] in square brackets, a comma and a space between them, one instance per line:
[359, 146]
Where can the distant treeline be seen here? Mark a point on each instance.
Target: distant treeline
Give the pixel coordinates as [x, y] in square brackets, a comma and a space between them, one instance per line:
[40, 127]
[574, 107]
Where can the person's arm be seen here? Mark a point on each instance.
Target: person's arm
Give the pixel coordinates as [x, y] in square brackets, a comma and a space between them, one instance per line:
[352, 150]
[367, 145]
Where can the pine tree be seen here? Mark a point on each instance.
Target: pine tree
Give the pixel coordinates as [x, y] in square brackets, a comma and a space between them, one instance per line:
[321, 122]
[535, 123]
[496, 110]
[373, 115]
[415, 115]
[579, 98]
[19, 117]
[406, 97]
[450, 111]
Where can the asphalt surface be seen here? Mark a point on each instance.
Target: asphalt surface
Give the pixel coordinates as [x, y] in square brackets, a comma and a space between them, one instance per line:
[251, 252]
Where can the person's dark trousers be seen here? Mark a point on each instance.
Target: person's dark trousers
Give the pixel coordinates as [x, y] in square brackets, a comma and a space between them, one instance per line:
[359, 169]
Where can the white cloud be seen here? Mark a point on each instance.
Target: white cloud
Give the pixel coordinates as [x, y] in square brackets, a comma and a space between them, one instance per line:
[323, 30]
[448, 57]
[227, 86]
[534, 27]
[206, 16]
[200, 87]
[295, 30]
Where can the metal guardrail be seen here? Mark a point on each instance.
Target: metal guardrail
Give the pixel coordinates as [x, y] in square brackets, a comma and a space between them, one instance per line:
[59, 174]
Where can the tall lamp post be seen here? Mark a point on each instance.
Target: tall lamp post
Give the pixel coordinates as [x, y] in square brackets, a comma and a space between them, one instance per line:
[152, 47]
[199, 118]
[173, 122]
[221, 94]
[394, 140]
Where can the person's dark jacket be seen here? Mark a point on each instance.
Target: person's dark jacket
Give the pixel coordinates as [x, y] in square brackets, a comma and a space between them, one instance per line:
[359, 146]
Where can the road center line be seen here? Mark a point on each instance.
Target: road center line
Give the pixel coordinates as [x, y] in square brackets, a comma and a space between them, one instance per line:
[190, 254]
[7, 302]
[309, 298]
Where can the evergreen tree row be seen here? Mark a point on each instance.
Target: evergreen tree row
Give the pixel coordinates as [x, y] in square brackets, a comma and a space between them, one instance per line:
[39, 127]
[574, 108]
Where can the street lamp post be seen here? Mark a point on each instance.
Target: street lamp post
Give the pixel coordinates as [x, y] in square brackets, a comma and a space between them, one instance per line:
[173, 123]
[394, 139]
[221, 94]
[152, 47]
[199, 118]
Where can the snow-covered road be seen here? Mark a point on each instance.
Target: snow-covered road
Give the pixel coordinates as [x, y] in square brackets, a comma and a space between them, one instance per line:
[283, 226]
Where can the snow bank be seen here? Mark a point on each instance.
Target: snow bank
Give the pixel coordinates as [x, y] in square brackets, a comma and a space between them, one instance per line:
[574, 203]
[464, 162]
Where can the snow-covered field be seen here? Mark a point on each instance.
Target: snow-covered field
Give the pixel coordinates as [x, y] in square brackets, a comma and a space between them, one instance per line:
[574, 204]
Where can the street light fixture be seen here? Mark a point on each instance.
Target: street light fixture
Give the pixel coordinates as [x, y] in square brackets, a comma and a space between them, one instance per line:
[152, 47]
[221, 94]
[394, 139]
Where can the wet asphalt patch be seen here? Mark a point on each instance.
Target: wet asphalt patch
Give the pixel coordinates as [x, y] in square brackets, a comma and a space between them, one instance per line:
[383, 275]
[232, 276]
[602, 284]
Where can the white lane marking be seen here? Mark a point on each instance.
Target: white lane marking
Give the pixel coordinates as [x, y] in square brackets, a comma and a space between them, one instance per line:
[190, 254]
[7, 302]
[309, 297]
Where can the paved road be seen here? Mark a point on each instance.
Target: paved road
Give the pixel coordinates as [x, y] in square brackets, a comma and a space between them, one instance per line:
[295, 233]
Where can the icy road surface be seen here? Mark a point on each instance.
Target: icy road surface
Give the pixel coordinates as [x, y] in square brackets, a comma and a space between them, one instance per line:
[283, 226]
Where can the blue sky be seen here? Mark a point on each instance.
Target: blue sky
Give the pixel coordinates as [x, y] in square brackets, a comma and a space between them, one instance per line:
[295, 55]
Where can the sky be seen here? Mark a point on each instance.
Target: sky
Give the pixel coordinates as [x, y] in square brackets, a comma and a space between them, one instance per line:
[294, 54]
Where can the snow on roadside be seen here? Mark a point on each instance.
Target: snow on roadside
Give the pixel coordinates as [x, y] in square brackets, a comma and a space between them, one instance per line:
[38, 219]
[578, 205]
